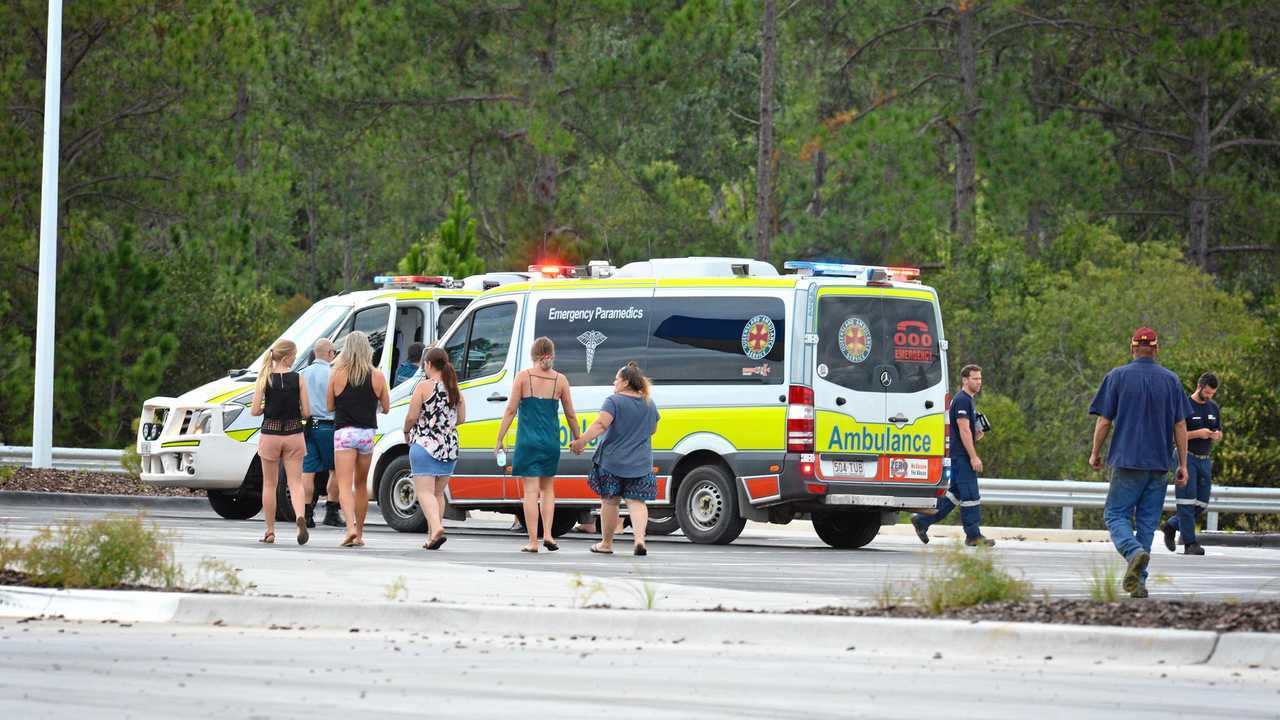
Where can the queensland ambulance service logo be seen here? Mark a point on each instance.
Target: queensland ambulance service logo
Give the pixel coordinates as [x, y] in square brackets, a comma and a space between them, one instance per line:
[758, 337]
[855, 340]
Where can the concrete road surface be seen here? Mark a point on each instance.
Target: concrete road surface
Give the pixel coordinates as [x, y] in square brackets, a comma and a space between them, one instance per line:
[770, 567]
[55, 669]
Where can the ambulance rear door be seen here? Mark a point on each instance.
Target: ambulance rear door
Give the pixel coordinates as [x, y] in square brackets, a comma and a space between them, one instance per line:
[850, 380]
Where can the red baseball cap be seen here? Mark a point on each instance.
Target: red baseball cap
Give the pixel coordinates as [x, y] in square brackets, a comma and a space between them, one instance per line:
[1144, 336]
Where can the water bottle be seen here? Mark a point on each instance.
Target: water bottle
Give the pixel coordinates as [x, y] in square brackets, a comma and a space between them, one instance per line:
[502, 458]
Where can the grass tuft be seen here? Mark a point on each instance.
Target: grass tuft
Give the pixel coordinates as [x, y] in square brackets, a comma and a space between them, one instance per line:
[956, 576]
[1104, 580]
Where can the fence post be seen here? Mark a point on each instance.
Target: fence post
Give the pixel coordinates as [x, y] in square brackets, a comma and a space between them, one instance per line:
[1211, 522]
[1068, 518]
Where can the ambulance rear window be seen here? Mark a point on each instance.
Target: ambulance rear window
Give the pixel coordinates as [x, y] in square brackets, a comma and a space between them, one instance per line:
[864, 341]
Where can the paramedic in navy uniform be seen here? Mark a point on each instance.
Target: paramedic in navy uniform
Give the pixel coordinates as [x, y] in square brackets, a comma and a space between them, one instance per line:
[1204, 429]
[965, 465]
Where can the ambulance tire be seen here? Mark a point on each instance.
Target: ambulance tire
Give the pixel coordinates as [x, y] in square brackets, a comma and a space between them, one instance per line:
[241, 504]
[662, 525]
[397, 499]
[707, 506]
[847, 530]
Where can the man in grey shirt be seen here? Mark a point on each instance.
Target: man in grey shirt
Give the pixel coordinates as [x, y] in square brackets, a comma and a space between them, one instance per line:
[319, 435]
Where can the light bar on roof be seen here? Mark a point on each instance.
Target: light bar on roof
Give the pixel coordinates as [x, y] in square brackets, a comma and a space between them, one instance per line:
[400, 281]
[870, 273]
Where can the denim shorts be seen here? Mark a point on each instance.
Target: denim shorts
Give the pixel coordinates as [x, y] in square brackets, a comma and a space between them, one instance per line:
[319, 456]
[422, 463]
[354, 438]
[610, 486]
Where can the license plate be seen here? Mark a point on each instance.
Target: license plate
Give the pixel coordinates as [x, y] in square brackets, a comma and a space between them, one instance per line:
[144, 447]
[859, 469]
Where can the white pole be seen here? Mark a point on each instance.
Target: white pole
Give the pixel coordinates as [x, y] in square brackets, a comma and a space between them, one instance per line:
[42, 418]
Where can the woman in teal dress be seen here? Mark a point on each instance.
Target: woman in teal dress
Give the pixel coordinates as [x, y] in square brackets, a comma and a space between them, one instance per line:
[536, 397]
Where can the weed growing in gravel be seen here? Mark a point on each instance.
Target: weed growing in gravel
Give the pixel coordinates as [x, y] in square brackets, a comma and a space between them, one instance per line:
[583, 591]
[220, 576]
[1104, 580]
[646, 591]
[396, 588]
[114, 552]
[6, 473]
[956, 576]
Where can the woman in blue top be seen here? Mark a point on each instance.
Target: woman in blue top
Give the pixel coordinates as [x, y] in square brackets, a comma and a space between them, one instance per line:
[536, 397]
[624, 459]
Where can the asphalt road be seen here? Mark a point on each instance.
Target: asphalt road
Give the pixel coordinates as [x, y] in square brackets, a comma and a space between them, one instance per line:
[55, 669]
[770, 567]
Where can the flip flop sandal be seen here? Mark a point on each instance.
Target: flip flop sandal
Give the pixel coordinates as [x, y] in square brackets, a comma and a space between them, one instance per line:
[303, 535]
[435, 544]
[350, 541]
[268, 539]
[641, 550]
[529, 550]
[596, 549]
[550, 545]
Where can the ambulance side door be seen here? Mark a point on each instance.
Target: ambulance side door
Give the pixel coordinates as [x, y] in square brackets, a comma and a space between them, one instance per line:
[482, 348]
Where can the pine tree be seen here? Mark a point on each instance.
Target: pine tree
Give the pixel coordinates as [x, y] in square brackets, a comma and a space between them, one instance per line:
[450, 250]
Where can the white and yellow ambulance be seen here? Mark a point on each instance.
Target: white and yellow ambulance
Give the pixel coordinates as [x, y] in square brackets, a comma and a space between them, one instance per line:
[818, 393]
[206, 439]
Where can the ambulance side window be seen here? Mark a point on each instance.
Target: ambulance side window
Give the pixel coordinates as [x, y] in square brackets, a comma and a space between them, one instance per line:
[718, 340]
[371, 321]
[595, 337]
[482, 343]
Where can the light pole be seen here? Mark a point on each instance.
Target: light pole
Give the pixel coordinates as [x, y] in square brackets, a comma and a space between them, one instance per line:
[42, 417]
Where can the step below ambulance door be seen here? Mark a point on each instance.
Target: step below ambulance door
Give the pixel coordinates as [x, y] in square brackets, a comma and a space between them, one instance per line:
[851, 379]
[482, 349]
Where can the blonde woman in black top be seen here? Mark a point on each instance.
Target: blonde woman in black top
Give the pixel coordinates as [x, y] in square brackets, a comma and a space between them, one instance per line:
[357, 390]
[282, 399]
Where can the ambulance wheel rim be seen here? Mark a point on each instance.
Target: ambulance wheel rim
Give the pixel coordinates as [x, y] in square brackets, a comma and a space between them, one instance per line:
[404, 499]
[706, 504]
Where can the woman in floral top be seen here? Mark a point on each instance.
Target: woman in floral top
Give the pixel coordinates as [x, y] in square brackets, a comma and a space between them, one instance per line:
[431, 429]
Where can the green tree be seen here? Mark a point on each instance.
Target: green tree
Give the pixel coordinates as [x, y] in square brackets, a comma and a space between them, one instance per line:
[451, 250]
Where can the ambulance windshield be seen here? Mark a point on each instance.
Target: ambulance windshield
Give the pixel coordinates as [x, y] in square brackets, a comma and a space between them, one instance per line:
[317, 322]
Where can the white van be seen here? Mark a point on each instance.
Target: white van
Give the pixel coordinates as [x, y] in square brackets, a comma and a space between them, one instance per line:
[206, 439]
[819, 393]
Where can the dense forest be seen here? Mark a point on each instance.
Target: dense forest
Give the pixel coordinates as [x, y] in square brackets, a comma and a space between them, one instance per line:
[1064, 171]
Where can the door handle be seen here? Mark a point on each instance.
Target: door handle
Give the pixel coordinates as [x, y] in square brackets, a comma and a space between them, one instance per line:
[497, 398]
[898, 419]
[840, 401]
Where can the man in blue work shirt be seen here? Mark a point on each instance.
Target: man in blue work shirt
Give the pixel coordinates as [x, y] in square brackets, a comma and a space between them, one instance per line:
[319, 435]
[965, 465]
[1204, 428]
[1146, 405]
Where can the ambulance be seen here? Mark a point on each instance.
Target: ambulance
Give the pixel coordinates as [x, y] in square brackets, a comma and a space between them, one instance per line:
[207, 439]
[819, 393]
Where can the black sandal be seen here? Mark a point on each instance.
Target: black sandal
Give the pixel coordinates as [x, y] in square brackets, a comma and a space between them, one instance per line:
[551, 545]
[435, 544]
[596, 549]
[641, 550]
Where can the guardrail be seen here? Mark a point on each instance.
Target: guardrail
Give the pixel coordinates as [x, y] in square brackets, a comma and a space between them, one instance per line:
[89, 459]
[1071, 494]
[1065, 494]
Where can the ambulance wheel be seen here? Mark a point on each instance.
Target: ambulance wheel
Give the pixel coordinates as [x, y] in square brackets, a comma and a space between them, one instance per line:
[846, 530]
[707, 506]
[561, 522]
[397, 499]
[662, 525]
[238, 504]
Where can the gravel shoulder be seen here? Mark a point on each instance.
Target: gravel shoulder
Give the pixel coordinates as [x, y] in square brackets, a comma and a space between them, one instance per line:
[91, 483]
[1257, 616]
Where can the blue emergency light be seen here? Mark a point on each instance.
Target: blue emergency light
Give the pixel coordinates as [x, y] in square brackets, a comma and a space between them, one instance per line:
[871, 273]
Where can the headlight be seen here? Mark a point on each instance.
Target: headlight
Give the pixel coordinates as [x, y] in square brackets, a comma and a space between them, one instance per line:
[229, 414]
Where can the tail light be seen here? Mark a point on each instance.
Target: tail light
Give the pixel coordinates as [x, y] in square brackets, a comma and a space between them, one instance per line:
[946, 420]
[799, 419]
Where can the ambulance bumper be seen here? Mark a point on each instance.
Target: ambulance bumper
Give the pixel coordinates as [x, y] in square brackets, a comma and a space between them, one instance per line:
[185, 446]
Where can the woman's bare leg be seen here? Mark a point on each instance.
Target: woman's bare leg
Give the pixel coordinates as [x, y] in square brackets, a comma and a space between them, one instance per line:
[297, 488]
[547, 488]
[639, 513]
[424, 488]
[270, 476]
[442, 482]
[361, 483]
[608, 522]
[344, 462]
[531, 511]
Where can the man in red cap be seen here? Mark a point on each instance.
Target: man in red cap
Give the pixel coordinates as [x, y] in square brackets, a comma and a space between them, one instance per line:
[1148, 409]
